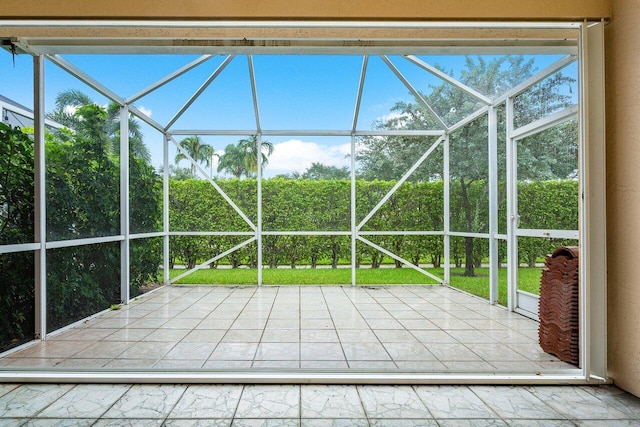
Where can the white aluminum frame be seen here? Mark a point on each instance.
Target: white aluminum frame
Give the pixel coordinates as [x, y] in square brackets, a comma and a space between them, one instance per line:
[590, 113]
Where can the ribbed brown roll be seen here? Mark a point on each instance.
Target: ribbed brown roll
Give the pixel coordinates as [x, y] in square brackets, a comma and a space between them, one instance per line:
[559, 330]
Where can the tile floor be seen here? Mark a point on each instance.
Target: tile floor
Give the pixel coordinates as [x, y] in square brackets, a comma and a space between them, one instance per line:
[314, 405]
[392, 328]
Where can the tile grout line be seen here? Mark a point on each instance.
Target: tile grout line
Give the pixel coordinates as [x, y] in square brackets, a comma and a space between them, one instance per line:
[229, 327]
[235, 411]
[372, 329]
[324, 297]
[166, 417]
[114, 402]
[253, 361]
[35, 415]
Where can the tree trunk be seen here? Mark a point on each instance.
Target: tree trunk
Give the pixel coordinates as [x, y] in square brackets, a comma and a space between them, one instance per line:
[468, 255]
[468, 216]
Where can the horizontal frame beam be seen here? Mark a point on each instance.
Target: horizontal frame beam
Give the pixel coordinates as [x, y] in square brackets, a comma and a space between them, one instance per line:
[302, 377]
[548, 234]
[146, 235]
[83, 242]
[20, 247]
[275, 132]
[211, 233]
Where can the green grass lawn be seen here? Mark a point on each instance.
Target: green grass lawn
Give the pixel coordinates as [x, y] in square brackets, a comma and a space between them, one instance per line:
[528, 278]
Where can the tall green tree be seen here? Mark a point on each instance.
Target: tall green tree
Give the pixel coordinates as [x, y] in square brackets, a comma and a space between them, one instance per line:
[391, 157]
[68, 103]
[233, 162]
[320, 171]
[199, 151]
[17, 221]
[241, 159]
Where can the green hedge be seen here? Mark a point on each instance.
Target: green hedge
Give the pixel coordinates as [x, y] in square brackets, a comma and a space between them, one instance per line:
[323, 205]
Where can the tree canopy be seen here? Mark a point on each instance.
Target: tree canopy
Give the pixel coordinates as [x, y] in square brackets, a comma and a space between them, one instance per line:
[199, 151]
[67, 112]
[241, 159]
[549, 155]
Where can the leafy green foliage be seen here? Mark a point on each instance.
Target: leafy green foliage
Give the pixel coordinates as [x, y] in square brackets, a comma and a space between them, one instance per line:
[552, 154]
[16, 226]
[82, 194]
[69, 102]
[323, 205]
[83, 183]
[241, 159]
[198, 151]
[320, 171]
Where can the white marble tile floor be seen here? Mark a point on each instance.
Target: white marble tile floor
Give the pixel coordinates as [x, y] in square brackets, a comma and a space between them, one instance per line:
[314, 405]
[427, 329]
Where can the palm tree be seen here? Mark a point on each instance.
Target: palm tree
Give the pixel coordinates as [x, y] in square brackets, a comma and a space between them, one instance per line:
[69, 101]
[201, 153]
[250, 147]
[136, 138]
[233, 161]
[242, 158]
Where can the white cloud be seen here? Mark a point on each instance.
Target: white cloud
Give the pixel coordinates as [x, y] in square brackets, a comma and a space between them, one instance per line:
[70, 109]
[399, 117]
[146, 111]
[390, 116]
[297, 155]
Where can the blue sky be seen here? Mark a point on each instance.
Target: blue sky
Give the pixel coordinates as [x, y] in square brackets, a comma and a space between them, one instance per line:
[294, 93]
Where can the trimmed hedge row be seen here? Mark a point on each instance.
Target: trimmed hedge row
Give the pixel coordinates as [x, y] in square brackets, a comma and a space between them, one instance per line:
[324, 205]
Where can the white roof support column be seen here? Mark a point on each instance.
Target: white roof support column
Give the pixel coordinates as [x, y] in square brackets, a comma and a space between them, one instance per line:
[165, 209]
[446, 182]
[494, 261]
[354, 227]
[354, 219]
[256, 109]
[40, 201]
[512, 210]
[259, 219]
[124, 206]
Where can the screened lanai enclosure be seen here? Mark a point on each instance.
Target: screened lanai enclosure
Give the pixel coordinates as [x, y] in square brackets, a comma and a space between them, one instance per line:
[308, 202]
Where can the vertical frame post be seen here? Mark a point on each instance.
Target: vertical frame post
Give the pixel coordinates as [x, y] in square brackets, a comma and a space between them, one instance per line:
[354, 227]
[124, 206]
[512, 210]
[165, 209]
[446, 178]
[259, 223]
[593, 238]
[494, 261]
[40, 201]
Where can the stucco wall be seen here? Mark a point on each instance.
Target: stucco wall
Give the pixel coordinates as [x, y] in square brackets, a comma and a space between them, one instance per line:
[623, 193]
[308, 9]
